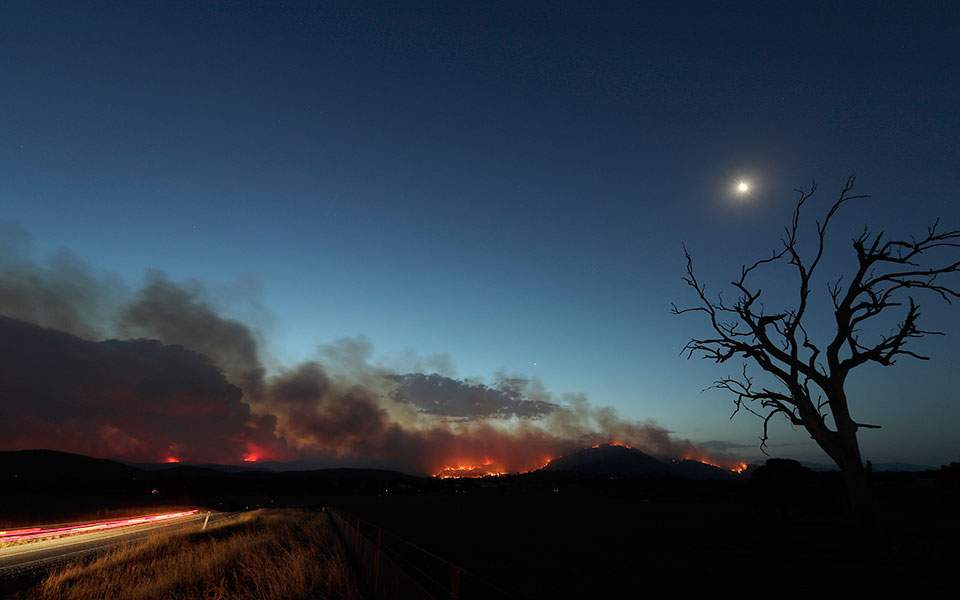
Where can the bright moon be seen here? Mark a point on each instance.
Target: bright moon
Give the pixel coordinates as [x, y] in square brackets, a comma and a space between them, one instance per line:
[743, 187]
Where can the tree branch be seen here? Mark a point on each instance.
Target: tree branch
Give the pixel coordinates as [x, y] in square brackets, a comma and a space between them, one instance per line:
[779, 342]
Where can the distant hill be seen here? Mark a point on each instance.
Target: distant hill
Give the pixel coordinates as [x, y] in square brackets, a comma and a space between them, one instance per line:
[55, 466]
[209, 466]
[52, 466]
[694, 469]
[49, 486]
[896, 467]
[609, 460]
[902, 467]
[621, 461]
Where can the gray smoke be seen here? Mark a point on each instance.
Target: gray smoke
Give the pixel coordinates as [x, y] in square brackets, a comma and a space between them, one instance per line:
[194, 383]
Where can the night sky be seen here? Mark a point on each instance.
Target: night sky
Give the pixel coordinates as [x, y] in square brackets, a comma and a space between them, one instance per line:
[493, 187]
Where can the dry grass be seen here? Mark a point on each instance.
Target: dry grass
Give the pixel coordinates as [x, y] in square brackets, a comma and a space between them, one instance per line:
[263, 555]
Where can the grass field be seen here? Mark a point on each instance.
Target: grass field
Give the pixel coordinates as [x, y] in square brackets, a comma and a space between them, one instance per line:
[267, 554]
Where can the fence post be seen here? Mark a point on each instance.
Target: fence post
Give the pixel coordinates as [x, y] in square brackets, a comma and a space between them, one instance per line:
[356, 530]
[455, 582]
[376, 559]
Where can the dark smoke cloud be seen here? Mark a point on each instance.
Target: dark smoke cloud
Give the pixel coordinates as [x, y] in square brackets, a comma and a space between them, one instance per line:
[318, 414]
[61, 292]
[179, 314]
[137, 400]
[192, 384]
[438, 395]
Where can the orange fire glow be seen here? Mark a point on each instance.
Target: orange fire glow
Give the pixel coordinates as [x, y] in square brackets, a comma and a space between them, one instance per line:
[613, 443]
[487, 468]
[736, 467]
[171, 459]
[256, 453]
[490, 467]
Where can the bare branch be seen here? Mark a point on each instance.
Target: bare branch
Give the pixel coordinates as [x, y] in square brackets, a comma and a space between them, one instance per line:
[780, 344]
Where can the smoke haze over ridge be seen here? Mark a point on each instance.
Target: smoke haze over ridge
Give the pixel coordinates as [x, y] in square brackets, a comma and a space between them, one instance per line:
[179, 379]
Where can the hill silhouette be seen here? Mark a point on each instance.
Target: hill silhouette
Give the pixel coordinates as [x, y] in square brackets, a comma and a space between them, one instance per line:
[694, 469]
[609, 459]
[615, 460]
[20, 466]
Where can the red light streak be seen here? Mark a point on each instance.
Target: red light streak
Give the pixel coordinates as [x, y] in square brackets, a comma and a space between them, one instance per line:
[31, 533]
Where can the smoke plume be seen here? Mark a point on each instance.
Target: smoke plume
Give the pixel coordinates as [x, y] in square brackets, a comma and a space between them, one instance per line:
[183, 381]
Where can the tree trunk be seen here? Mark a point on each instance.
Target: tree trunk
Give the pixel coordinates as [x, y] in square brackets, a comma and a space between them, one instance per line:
[843, 448]
[858, 480]
[859, 491]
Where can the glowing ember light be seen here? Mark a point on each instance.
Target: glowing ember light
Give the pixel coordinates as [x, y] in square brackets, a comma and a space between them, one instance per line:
[738, 467]
[255, 453]
[470, 470]
[171, 459]
[613, 443]
[473, 471]
[32, 533]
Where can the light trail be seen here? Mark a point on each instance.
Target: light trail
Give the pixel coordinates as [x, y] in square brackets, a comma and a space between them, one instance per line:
[35, 533]
[42, 546]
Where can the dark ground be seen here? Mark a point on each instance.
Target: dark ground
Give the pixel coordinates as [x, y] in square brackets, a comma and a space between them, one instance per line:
[592, 544]
[555, 535]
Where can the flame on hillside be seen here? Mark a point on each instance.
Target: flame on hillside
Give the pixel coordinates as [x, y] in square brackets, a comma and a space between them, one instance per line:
[737, 466]
[487, 468]
[613, 443]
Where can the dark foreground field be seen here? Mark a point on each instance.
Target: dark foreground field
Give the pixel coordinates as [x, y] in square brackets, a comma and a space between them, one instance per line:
[349, 533]
[601, 547]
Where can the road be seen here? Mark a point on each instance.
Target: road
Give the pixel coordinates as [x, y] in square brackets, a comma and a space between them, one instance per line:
[80, 539]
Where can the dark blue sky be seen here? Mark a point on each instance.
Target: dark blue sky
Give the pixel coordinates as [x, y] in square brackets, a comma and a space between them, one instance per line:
[508, 183]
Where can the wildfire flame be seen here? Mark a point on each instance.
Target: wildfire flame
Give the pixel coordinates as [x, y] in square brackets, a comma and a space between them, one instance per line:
[255, 453]
[613, 443]
[488, 467]
[737, 467]
[468, 471]
[484, 469]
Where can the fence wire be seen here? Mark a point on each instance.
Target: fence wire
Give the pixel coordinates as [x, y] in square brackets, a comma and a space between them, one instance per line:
[392, 568]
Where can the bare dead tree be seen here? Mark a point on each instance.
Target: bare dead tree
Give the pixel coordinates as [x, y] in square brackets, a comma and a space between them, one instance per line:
[810, 378]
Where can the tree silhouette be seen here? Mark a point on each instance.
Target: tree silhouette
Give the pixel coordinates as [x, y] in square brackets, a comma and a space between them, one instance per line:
[810, 378]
